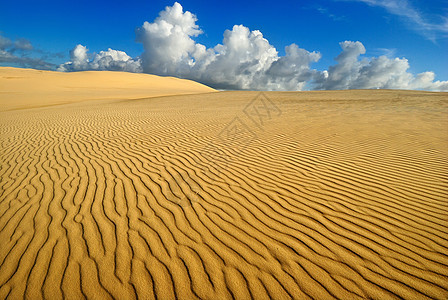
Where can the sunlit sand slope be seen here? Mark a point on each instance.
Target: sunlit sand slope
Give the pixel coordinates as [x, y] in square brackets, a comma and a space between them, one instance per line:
[25, 88]
[320, 195]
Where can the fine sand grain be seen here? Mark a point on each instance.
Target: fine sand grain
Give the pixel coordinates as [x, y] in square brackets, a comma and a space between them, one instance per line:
[319, 195]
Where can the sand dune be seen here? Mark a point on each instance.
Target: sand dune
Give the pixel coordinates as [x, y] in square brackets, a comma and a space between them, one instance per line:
[320, 195]
[25, 88]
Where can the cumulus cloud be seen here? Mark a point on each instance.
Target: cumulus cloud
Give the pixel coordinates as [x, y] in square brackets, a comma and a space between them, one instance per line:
[168, 43]
[353, 72]
[112, 60]
[246, 60]
[79, 60]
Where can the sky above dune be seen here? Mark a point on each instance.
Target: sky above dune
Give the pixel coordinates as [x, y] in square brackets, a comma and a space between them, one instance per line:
[254, 45]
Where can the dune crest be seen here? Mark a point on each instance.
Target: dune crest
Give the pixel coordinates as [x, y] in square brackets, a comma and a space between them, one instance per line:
[25, 88]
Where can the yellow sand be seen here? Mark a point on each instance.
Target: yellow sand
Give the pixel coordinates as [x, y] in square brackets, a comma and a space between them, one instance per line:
[25, 88]
[335, 195]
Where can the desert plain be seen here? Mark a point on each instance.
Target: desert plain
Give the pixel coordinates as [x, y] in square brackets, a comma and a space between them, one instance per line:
[125, 186]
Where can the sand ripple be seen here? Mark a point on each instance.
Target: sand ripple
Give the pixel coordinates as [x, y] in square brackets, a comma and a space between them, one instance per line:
[336, 195]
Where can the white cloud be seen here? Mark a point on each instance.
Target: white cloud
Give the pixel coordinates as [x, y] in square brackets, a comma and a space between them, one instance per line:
[167, 41]
[112, 60]
[246, 60]
[341, 76]
[115, 60]
[426, 81]
[353, 72]
[79, 60]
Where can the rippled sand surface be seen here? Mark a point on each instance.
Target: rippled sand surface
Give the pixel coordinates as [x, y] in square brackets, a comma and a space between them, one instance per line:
[227, 195]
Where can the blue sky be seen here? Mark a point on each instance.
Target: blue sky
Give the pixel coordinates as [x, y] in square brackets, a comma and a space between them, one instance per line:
[413, 29]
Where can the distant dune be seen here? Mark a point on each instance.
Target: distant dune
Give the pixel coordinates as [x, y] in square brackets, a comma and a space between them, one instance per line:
[24, 88]
[228, 195]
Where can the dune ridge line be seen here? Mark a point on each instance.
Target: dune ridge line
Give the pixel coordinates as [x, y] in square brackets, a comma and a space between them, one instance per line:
[29, 88]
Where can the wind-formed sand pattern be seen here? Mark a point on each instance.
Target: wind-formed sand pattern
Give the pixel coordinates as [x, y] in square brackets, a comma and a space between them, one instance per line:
[333, 195]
